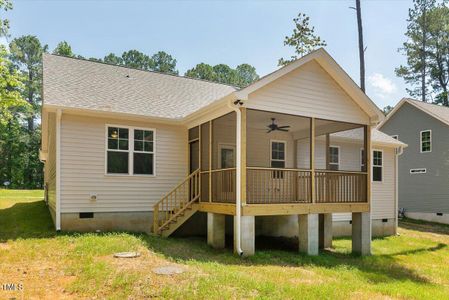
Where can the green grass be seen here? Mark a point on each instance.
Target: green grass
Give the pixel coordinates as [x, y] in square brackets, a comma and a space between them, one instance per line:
[414, 265]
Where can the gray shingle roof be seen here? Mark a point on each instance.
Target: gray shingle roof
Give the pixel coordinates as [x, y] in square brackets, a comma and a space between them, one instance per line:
[378, 138]
[81, 84]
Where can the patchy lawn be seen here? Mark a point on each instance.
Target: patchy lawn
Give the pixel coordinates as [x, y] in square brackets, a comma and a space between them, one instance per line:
[414, 265]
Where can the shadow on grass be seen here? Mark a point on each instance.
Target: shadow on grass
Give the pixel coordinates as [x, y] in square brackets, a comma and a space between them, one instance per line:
[282, 252]
[26, 220]
[424, 226]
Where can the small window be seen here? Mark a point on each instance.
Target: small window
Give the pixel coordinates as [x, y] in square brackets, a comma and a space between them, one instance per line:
[377, 165]
[334, 158]
[118, 150]
[143, 152]
[396, 137]
[418, 171]
[426, 141]
[278, 157]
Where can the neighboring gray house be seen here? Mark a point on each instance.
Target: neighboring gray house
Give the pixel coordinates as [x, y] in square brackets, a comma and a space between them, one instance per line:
[424, 165]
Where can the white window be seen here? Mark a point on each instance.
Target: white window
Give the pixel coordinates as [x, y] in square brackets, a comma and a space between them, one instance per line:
[377, 165]
[418, 171]
[278, 157]
[130, 151]
[426, 141]
[334, 158]
[396, 137]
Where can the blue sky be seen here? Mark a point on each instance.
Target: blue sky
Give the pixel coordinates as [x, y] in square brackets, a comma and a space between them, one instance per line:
[230, 32]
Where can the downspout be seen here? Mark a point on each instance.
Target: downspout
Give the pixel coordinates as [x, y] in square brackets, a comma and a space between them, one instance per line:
[399, 152]
[238, 201]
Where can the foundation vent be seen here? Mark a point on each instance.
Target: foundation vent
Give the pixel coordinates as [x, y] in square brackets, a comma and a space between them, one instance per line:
[86, 215]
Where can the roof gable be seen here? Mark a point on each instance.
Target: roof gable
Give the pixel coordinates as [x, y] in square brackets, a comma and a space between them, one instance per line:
[329, 65]
[438, 112]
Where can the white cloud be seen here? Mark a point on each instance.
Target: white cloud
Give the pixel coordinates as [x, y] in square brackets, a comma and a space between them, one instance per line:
[382, 85]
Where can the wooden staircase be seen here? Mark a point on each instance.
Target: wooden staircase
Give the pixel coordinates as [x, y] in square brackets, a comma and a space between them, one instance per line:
[177, 206]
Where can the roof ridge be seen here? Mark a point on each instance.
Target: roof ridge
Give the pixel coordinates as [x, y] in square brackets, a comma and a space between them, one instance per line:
[146, 71]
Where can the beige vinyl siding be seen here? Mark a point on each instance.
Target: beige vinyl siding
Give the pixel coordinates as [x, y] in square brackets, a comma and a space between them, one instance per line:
[83, 167]
[308, 91]
[50, 165]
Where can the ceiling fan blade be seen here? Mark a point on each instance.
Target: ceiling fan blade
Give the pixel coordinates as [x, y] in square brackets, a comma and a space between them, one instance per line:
[269, 130]
[281, 129]
[287, 126]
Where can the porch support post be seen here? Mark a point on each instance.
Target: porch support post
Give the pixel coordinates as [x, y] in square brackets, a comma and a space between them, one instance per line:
[312, 160]
[247, 236]
[216, 230]
[210, 161]
[361, 233]
[243, 156]
[368, 154]
[308, 234]
[325, 226]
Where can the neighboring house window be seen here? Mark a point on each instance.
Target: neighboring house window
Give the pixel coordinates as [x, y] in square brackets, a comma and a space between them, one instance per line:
[377, 165]
[130, 151]
[118, 150]
[334, 158]
[396, 137]
[426, 141]
[418, 171]
[143, 152]
[278, 157]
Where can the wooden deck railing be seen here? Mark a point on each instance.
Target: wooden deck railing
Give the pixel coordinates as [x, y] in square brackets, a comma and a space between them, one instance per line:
[340, 186]
[222, 183]
[176, 201]
[270, 185]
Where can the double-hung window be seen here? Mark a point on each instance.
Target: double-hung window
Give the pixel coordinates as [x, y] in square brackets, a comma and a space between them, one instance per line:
[130, 151]
[278, 157]
[377, 165]
[334, 158]
[426, 141]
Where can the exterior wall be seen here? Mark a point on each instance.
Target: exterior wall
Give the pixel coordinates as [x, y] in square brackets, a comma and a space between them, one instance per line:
[421, 193]
[83, 167]
[50, 166]
[431, 217]
[308, 91]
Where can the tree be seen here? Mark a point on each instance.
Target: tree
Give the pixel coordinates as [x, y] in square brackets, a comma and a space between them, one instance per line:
[246, 75]
[4, 23]
[438, 52]
[64, 49]
[202, 71]
[137, 59]
[387, 109]
[225, 74]
[164, 63]
[26, 56]
[358, 9]
[303, 39]
[415, 73]
[113, 59]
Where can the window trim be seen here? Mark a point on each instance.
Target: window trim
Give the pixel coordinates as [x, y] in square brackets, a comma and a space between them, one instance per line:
[338, 163]
[285, 152]
[372, 166]
[130, 151]
[420, 141]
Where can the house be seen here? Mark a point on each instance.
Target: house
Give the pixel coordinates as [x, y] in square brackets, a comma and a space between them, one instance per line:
[143, 151]
[424, 165]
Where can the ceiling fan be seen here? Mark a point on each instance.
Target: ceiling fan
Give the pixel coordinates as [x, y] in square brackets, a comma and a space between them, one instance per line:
[273, 126]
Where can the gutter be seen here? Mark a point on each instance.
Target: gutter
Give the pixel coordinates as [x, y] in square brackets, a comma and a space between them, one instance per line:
[58, 169]
[234, 105]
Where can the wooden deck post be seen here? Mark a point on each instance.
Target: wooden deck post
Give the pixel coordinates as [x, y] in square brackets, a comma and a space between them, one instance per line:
[200, 147]
[312, 160]
[243, 156]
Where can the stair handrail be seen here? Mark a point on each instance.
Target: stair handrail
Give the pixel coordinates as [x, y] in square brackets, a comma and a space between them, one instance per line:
[195, 174]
